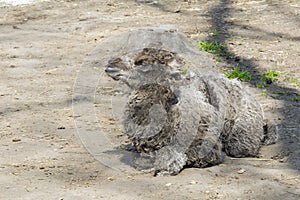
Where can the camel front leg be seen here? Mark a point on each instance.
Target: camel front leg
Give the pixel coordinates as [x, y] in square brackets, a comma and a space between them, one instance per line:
[169, 161]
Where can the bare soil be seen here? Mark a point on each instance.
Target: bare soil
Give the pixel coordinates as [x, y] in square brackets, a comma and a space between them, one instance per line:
[42, 48]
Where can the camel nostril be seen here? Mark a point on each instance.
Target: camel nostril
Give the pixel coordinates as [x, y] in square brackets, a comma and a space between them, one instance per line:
[111, 69]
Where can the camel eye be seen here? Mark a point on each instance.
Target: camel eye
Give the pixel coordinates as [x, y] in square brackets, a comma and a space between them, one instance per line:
[139, 62]
[173, 101]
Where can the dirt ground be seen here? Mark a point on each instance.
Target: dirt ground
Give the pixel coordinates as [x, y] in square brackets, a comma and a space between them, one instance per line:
[42, 48]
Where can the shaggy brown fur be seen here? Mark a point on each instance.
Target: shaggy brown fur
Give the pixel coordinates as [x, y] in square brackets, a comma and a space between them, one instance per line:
[177, 120]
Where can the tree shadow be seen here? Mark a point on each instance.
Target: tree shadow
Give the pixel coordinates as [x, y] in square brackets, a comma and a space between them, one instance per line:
[290, 111]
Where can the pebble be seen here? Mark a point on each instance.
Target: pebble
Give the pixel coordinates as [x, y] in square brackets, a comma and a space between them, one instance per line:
[16, 140]
[283, 160]
[241, 171]
[168, 184]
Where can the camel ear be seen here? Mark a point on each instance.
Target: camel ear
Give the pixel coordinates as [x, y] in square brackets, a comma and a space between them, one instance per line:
[144, 68]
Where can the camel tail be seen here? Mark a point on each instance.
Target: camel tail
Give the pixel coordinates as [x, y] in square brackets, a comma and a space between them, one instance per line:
[270, 134]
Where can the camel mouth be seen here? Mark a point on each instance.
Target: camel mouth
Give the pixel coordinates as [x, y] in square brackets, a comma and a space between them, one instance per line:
[113, 72]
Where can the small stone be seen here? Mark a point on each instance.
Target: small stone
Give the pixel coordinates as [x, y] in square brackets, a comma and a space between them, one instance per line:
[193, 182]
[168, 184]
[283, 160]
[110, 178]
[237, 59]
[16, 140]
[276, 179]
[269, 81]
[241, 171]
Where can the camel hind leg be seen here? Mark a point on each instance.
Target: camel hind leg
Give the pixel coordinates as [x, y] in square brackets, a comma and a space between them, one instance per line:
[201, 156]
[244, 137]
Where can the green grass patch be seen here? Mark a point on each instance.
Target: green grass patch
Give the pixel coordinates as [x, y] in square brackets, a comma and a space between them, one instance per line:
[270, 76]
[242, 75]
[212, 47]
[294, 98]
[260, 85]
[294, 82]
[264, 92]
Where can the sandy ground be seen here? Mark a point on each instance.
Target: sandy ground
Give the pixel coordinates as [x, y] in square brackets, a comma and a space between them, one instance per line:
[42, 48]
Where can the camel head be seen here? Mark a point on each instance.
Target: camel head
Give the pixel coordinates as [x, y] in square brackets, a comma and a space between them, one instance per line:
[148, 66]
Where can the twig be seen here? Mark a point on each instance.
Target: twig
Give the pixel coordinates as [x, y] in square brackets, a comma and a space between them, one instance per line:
[252, 159]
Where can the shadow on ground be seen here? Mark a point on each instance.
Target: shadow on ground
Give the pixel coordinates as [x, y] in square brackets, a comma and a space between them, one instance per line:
[287, 129]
